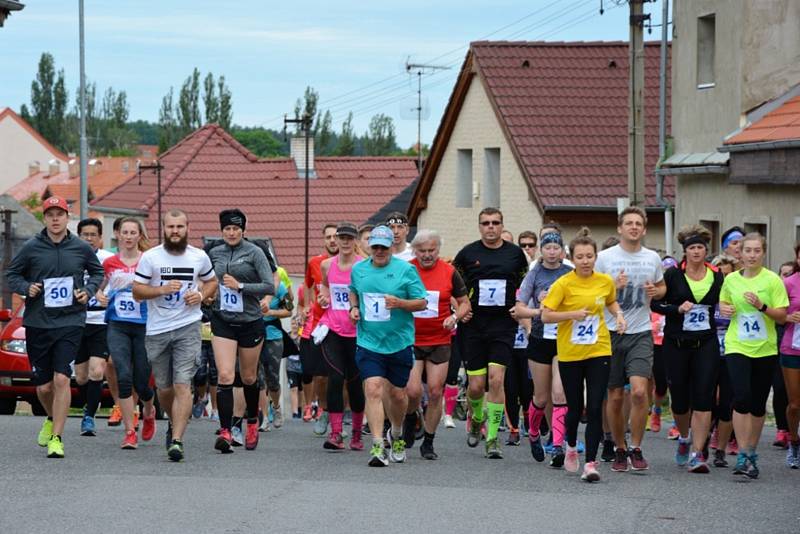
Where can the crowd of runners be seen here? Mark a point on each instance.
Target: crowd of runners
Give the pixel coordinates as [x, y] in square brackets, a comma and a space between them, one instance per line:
[533, 336]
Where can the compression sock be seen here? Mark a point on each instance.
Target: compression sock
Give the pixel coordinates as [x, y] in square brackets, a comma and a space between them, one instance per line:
[535, 416]
[82, 394]
[225, 405]
[559, 416]
[450, 397]
[251, 400]
[495, 411]
[336, 419]
[93, 390]
[357, 421]
[477, 409]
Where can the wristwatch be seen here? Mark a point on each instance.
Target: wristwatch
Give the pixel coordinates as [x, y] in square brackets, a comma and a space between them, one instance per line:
[241, 286]
[763, 308]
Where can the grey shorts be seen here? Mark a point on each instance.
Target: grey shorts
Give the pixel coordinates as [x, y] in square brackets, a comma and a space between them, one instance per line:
[174, 355]
[632, 355]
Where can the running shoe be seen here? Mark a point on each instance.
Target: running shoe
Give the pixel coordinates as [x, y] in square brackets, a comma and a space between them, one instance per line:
[197, 409]
[115, 418]
[537, 451]
[214, 417]
[655, 422]
[378, 456]
[474, 434]
[148, 427]
[697, 463]
[741, 464]
[503, 424]
[175, 452]
[355, 442]
[307, 413]
[638, 463]
[493, 450]
[590, 472]
[427, 452]
[714, 443]
[251, 438]
[557, 458]
[45, 432]
[55, 449]
[264, 426]
[733, 447]
[719, 458]
[224, 441]
[544, 428]
[334, 442]
[752, 471]
[682, 454]
[571, 461]
[581, 446]
[620, 464]
[448, 421]
[513, 438]
[87, 426]
[236, 435]
[130, 442]
[397, 448]
[673, 433]
[793, 455]
[168, 436]
[608, 451]
[781, 439]
[277, 418]
[548, 447]
[321, 426]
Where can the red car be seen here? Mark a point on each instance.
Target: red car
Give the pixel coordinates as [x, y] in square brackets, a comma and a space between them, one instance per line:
[15, 370]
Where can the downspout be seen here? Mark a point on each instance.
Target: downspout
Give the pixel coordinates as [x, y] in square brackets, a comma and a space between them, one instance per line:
[662, 130]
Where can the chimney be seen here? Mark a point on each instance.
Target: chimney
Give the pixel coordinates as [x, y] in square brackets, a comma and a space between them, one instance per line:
[297, 149]
[74, 168]
[54, 167]
[33, 168]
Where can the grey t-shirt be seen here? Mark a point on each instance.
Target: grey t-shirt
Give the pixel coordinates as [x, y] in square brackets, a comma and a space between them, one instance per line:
[534, 288]
[641, 267]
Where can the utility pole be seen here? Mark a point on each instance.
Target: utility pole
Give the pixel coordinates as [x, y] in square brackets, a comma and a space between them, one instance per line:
[305, 122]
[84, 183]
[420, 70]
[662, 127]
[156, 167]
[636, 117]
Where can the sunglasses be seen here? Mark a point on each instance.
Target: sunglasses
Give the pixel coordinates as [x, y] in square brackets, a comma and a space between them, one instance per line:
[491, 223]
[527, 245]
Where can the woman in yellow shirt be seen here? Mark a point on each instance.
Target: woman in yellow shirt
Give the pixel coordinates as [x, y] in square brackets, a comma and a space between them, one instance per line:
[577, 301]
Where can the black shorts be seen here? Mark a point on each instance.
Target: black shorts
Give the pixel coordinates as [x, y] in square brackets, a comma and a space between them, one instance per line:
[93, 344]
[52, 350]
[311, 358]
[488, 340]
[247, 335]
[542, 350]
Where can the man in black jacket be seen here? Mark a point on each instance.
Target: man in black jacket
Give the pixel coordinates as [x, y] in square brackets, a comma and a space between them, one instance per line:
[49, 272]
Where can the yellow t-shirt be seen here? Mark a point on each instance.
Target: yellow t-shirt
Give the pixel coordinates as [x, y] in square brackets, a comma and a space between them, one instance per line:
[579, 341]
[701, 288]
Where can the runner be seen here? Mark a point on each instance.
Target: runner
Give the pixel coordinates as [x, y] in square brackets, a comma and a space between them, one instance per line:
[690, 344]
[280, 307]
[723, 406]
[732, 244]
[542, 349]
[339, 344]
[790, 360]
[384, 292]
[754, 299]
[659, 387]
[170, 275]
[398, 224]
[492, 270]
[115, 417]
[528, 242]
[245, 278]
[577, 301]
[90, 363]
[637, 273]
[126, 331]
[363, 239]
[433, 334]
[49, 271]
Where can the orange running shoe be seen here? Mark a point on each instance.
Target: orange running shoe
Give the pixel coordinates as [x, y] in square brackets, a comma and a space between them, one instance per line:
[148, 427]
[307, 413]
[674, 433]
[655, 422]
[116, 416]
[130, 441]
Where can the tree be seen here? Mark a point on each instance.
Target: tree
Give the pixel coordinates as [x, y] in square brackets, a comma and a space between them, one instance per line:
[166, 123]
[188, 110]
[225, 104]
[347, 140]
[324, 139]
[259, 141]
[48, 101]
[380, 137]
[210, 100]
[307, 107]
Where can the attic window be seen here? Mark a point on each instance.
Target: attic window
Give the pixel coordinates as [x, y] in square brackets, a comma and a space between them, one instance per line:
[526, 64]
[612, 64]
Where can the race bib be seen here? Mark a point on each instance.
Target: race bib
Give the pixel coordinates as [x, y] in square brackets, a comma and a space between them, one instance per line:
[172, 300]
[550, 330]
[796, 337]
[431, 310]
[491, 293]
[230, 300]
[521, 339]
[340, 297]
[696, 319]
[585, 332]
[125, 307]
[375, 307]
[58, 292]
[752, 326]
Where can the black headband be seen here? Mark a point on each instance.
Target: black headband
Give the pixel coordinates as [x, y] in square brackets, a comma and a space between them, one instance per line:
[694, 239]
[232, 217]
[397, 220]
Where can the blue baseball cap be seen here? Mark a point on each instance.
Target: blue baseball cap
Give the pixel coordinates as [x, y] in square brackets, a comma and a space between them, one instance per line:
[381, 236]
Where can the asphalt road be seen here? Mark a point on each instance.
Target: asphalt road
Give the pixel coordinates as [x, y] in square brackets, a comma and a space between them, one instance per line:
[290, 484]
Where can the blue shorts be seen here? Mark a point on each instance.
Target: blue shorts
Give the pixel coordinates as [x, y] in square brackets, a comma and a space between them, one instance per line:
[394, 367]
[790, 361]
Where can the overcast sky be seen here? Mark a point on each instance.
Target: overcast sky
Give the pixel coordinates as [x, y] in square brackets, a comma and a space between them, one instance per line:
[352, 52]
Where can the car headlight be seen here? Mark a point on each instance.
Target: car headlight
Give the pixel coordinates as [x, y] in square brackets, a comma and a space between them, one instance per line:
[14, 345]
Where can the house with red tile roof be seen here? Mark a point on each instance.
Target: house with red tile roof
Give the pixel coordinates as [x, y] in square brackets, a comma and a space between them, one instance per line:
[209, 171]
[736, 120]
[538, 129]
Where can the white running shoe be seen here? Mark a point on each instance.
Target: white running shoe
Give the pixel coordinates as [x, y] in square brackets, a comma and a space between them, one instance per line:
[571, 460]
[590, 472]
[448, 421]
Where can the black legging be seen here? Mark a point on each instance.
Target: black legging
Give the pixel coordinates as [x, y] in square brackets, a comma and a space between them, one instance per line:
[780, 399]
[751, 380]
[594, 373]
[339, 354]
[724, 401]
[454, 365]
[659, 371]
[518, 386]
[692, 372]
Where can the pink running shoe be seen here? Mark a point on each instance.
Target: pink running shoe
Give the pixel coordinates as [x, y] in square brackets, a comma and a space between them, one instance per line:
[571, 460]
[590, 472]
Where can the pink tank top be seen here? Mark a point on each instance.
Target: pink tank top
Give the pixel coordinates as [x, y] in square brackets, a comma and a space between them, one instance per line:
[337, 314]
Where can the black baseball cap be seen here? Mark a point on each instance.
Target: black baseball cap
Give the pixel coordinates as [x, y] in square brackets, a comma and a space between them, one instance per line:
[347, 228]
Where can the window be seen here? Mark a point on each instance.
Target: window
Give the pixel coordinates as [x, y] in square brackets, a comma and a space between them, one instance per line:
[464, 178]
[491, 178]
[706, 35]
[712, 225]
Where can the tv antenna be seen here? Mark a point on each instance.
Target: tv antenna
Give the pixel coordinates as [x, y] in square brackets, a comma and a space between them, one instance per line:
[420, 69]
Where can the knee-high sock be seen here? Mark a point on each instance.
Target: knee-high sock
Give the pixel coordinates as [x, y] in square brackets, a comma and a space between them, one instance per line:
[559, 418]
[495, 411]
[477, 409]
[225, 405]
[535, 416]
[336, 422]
[358, 421]
[251, 400]
[450, 397]
[93, 390]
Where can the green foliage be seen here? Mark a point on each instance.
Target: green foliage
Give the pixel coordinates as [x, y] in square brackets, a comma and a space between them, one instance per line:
[167, 126]
[347, 140]
[48, 102]
[380, 138]
[188, 109]
[31, 203]
[324, 139]
[260, 141]
[210, 100]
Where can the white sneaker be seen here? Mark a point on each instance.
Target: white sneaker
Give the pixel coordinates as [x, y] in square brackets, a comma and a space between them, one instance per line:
[277, 417]
[590, 473]
[571, 462]
[448, 421]
[214, 416]
[264, 427]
